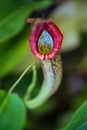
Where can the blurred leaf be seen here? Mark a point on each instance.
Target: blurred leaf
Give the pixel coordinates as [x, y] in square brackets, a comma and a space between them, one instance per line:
[11, 112]
[2, 96]
[15, 20]
[79, 119]
[13, 14]
[83, 127]
[12, 21]
[13, 55]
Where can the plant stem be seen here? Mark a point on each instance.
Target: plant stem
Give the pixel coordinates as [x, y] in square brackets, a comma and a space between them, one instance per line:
[19, 79]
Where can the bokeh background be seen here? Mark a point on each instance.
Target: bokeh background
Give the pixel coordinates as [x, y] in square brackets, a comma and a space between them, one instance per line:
[15, 56]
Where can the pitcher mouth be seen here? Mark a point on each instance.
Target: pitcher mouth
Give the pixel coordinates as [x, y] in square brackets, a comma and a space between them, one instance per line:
[54, 43]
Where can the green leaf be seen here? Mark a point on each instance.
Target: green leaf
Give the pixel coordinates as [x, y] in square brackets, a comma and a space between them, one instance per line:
[2, 96]
[13, 14]
[79, 119]
[13, 23]
[13, 55]
[12, 113]
[83, 127]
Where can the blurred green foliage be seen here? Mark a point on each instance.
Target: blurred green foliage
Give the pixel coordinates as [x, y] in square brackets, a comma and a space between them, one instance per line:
[12, 112]
[14, 44]
[79, 119]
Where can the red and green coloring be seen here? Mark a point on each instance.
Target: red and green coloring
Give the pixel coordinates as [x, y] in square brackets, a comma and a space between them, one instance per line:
[45, 43]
